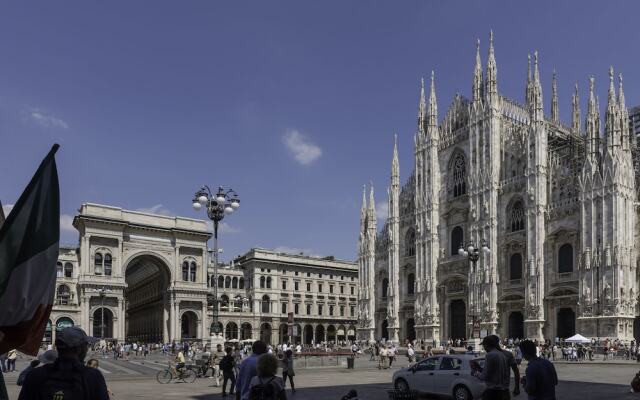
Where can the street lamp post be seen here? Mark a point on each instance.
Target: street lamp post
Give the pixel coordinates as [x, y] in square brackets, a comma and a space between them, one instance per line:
[472, 252]
[217, 206]
[103, 292]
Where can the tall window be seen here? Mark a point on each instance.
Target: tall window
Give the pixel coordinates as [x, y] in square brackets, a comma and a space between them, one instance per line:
[284, 285]
[107, 264]
[227, 282]
[59, 270]
[284, 308]
[192, 271]
[353, 289]
[308, 287]
[296, 308]
[63, 295]
[330, 288]
[308, 309]
[269, 283]
[98, 263]
[220, 281]
[296, 285]
[385, 288]
[342, 311]
[234, 282]
[319, 287]
[411, 283]
[352, 311]
[516, 217]
[331, 310]
[263, 281]
[224, 302]
[565, 258]
[515, 267]
[410, 243]
[241, 283]
[266, 304]
[185, 270]
[319, 309]
[459, 175]
[457, 239]
[68, 270]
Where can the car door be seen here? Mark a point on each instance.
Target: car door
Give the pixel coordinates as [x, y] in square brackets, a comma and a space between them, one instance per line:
[449, 369]
[423, 377]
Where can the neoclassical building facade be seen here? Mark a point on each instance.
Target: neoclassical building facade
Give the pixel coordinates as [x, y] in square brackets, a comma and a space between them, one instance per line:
[554, 204]
[147, 277]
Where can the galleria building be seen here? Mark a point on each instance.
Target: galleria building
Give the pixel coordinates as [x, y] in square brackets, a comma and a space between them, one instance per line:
[139, 277]
[554, 204]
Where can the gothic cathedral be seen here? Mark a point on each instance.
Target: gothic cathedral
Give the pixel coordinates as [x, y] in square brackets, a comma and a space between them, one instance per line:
[511, 222]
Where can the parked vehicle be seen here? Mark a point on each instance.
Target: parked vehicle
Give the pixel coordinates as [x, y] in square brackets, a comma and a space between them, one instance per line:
[447, 374]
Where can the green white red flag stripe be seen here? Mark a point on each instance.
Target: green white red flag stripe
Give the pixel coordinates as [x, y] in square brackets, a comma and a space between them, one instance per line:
[29, 245]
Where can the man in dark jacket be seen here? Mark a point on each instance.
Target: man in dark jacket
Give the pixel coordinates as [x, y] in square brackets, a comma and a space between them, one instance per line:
[67, 377]
[227, 365]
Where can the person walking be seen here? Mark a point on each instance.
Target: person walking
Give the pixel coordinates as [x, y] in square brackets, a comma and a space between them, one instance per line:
[12, 356]
[216, 357]
[391, 354]
[3, 362]
[248, 370]
[494, 371]
[382, 363]
[67, 377]
[511, 363]
[287, 369]
[227, 365]
[540, 378]
[265, 384]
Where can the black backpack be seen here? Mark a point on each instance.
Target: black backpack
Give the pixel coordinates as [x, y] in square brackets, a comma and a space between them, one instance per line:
[226, 364]
[65, 383]
[263, 391]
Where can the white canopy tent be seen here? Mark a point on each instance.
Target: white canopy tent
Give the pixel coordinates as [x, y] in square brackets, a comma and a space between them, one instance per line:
[578, 338]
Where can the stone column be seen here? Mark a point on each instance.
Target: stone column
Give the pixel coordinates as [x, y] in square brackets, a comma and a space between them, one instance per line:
[172, 320]
[205, 321]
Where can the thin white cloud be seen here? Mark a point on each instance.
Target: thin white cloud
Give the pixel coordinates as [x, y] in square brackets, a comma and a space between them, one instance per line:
[44, 119]
[66, 223]
[155, 209]
[223, 227]
[301, 148]
[382, 210]
[296, 251]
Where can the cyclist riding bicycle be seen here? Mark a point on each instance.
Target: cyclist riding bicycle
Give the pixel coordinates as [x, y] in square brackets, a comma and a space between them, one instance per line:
[179, 362]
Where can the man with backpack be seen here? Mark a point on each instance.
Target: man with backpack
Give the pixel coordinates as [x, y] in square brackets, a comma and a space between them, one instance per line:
[227, 364]
[248, 370]
[67, 378]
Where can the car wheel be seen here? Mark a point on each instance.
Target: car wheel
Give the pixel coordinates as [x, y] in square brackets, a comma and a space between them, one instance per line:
[402, 385]
[461, 393]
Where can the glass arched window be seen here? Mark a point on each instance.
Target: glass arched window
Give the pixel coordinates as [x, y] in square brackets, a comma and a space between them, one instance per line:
[241, 283]
[411, 283]
[515, 267]
[107, 264]
[63, 295]
[192, 271]
[516, 217]
[185, 271]
[459, 175]
[220, 281]
[68, 270]
[565, 258]
[410, 243]
[234, 282]
[385, 288]
[266, 304]
[59, 270]
[457, 239]
[262, 282]
[98, 263]
[227, 282]
[269, 283]
[224, 302]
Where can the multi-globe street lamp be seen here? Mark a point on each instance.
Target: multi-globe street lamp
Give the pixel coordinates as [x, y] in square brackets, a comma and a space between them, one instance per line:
[472, 252]
[224, 202]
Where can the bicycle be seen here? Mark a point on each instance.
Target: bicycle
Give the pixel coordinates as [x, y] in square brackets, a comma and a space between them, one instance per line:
[186, 374]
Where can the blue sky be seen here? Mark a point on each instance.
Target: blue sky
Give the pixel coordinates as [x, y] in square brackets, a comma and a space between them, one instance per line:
[291, 103]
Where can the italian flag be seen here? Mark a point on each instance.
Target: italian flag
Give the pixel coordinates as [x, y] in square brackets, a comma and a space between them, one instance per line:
[29, 240]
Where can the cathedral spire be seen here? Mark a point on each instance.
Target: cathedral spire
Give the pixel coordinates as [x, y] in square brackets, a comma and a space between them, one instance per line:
[492, 71]
[395, 164]
[555, 117]
[363, 209]
[477, 75]
[536, 91]
[621, 101]
[592, 124]
[528, 90]
[422, 108]
[433, 103]
[372, 207]
[575, 111]
[611, 114]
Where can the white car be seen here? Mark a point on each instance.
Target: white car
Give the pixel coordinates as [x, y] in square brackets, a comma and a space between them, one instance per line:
[447, 374]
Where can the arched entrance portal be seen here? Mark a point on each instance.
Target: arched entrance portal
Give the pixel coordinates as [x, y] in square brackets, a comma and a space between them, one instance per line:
[147, 279]
[283, 333]
[320, 334]
[457, 320]
[265, 332]
[189, 325]
[245, 331]
[103, 325]
[566, 323]
[411, 329]
[385, 331]
[516, 325]
[308, 334]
